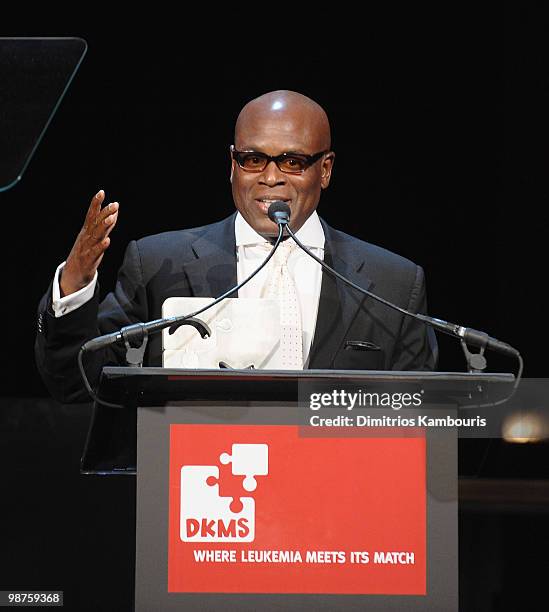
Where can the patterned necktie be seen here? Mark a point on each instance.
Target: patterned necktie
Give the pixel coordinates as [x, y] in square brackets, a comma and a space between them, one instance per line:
[281, 286]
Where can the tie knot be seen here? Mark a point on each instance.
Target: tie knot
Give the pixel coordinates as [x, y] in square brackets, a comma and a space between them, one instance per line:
[284, 251]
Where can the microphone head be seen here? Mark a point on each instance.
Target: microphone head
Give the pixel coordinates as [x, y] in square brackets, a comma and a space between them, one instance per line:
[279, 212]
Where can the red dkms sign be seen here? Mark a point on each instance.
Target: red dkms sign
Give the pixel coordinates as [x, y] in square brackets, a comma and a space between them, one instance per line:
[260, 509]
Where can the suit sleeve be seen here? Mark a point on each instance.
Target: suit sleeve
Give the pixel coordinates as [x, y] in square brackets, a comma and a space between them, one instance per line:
[58, 340]
[417, 348]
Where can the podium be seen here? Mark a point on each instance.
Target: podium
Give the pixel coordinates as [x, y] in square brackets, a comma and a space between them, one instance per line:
[250, 497]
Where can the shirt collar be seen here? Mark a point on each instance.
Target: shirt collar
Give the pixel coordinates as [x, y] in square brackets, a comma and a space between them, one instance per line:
[310, 234]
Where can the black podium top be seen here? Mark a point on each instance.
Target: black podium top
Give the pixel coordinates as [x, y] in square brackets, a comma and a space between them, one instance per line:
[155, 386]
[110, 447]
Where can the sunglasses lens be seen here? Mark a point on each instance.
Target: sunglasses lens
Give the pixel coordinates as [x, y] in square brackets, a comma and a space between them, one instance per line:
[292, 164]
[252, 161]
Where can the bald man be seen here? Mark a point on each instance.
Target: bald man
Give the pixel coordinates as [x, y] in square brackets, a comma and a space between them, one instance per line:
[282, 151]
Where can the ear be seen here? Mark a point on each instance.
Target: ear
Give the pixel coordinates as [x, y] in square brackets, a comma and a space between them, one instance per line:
[326, 169]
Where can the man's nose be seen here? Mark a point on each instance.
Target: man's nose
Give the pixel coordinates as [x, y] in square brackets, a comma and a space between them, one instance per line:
[272, 175]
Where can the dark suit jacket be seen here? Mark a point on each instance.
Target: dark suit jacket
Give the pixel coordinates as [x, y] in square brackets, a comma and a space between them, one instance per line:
[201, 262]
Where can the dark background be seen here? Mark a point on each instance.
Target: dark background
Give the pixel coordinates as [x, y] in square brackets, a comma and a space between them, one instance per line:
[440, 129]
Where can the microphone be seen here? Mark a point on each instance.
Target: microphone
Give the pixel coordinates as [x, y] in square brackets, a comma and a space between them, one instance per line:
[471, 336]
[279, 212]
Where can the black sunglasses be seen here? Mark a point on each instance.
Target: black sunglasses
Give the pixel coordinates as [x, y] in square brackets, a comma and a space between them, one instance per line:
[290, 163]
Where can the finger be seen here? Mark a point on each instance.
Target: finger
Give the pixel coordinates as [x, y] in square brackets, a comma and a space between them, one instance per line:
[95, 205]
[95, 222]
[98, 258]
[104, 222]
[106, 212]
[97, 228]
[110, 222]
[95, 253]
[104, 245]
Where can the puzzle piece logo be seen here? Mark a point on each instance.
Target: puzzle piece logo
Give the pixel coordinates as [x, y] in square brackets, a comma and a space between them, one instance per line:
[208, 517]
[249, 460]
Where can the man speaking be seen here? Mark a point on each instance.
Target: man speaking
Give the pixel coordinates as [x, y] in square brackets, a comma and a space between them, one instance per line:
[281, 152]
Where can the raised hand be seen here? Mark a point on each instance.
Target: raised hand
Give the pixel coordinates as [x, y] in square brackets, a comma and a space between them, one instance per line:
[90, 245]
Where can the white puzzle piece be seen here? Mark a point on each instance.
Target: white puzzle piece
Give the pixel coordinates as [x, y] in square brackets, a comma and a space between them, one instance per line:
[248, 460]
[207, 517]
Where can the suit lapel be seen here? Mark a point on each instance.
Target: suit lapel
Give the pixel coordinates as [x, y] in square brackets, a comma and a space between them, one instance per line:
[214, 270]
[339, 303]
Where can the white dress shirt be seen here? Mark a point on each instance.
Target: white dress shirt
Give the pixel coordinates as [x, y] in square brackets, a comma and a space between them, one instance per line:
[63, 305]
[251, 250]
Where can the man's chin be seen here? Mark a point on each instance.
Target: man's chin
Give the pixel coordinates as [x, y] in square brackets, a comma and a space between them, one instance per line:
[270, 229]
[267, 228]
[270, 233]
[264, 227]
